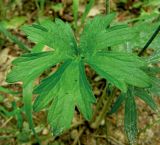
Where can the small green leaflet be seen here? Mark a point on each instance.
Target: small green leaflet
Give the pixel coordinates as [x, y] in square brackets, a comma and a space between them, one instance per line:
[146, 98]
[68, 87]
[117, 104]
[130, 118]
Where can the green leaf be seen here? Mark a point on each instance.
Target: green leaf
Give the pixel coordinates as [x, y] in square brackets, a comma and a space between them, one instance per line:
[87, 9]
[130, 118]
[13, 38]
[75, 11]
[120, 69]
[97, 36]
[47, 87]
[87, 98]
[56, 35]
[154, 90]
[18, 115]
[14, 22]
[19, 119]
[57, 6]
[144, 32]
[27, 99]
[29, 66]
[67, 87]
[8, 91]
[152, 3]
[146, 98]
[117, 104]
[92, 29]
[37, 48]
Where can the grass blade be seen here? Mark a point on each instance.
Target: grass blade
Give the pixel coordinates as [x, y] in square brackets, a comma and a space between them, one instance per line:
[87, 9]
[27, 99]
[13, 38]
[8, 91]
[75, 12]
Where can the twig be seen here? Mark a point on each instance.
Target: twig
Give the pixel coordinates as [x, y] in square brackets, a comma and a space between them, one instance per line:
[110, 139]
[78, 136]
[77, 124]
[115, 141]
[149, 41]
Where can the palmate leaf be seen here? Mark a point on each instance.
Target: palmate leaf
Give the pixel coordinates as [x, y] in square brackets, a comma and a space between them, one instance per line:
[97, 36]
[68, 87]
[29, 66]
[65, 90]
[120, 69]
[57, 35]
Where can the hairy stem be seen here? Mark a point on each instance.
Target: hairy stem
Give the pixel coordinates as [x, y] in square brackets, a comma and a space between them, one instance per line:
[149, 41]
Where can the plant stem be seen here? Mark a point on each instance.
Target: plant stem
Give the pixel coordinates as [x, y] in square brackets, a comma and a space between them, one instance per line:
[79, 135]
[99, 103]
[107, 12]
[105, 109]
[107, 6]
[149, 41]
